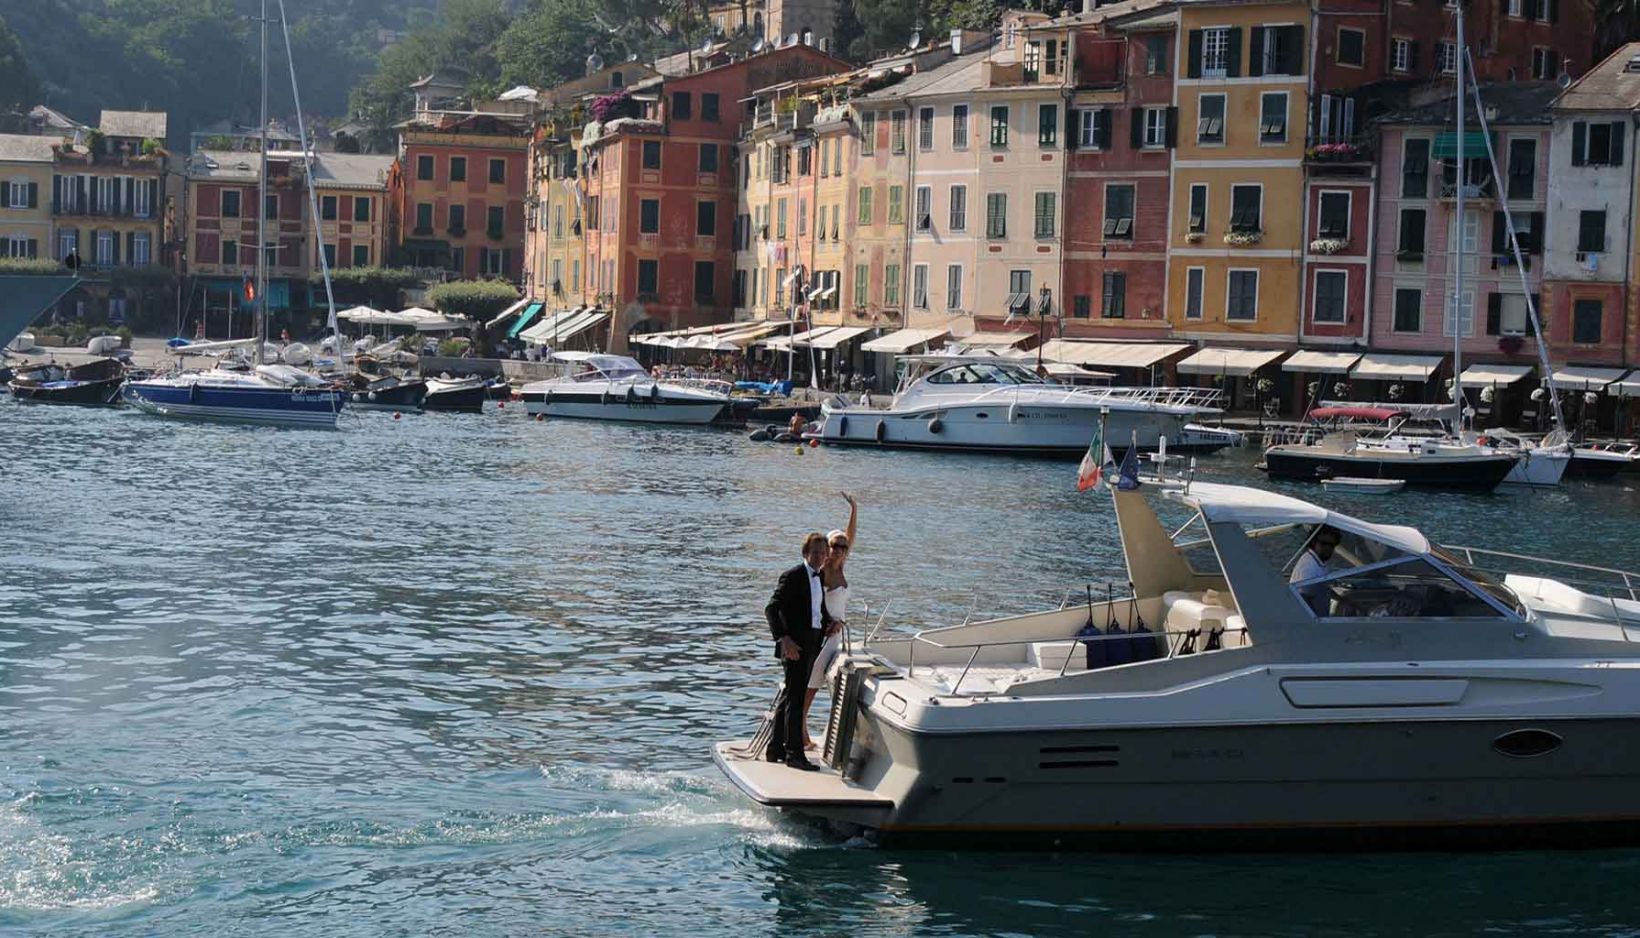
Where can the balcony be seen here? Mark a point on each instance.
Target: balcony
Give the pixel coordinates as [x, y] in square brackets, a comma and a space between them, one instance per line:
[78, 210]
[1482, 191]
[1339, 156]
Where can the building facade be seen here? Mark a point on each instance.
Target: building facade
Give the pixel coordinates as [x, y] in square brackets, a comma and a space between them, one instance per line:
[25, 195]
[356, 220]
[462, 179]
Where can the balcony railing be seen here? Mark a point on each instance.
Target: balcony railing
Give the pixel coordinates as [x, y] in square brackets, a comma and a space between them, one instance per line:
[1484, 190]
[1339, 150]
[79, 210]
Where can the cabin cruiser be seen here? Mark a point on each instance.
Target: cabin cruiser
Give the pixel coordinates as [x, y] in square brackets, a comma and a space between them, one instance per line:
[1604, 460]
[1394, 695]
[986, 404]
[1389, 453]
[93, 383]
[615, 387]
[236, 392]
[374, 386]
[464, 395]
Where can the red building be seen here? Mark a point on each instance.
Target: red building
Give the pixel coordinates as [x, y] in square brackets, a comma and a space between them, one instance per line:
[1115, 274]
[660, 183]
[460, 186]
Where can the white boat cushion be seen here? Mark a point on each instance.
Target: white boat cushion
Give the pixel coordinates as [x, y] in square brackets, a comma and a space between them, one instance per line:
[1555, 596]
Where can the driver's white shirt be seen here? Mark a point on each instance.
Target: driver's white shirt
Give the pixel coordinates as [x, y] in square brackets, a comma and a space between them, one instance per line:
[1308, 567]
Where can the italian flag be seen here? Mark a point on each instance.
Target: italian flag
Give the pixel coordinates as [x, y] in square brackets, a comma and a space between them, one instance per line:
[1093, 461]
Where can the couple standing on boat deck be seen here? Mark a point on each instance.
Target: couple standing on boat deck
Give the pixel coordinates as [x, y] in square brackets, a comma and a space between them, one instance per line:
[806, 616]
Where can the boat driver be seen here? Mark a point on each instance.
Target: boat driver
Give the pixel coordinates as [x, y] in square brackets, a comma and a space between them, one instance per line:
[1312, 565]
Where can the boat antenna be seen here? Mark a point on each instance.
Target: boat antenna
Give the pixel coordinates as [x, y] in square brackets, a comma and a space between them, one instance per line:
[1457, 242]
[1520, 262]
[261, 330]
[307, 170]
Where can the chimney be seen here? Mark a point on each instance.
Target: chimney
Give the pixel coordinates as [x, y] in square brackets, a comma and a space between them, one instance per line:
[962, 39]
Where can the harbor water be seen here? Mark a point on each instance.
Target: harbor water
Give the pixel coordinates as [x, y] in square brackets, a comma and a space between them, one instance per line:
[454, 674]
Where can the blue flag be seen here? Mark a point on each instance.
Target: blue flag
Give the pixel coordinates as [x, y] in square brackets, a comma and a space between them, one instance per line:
[1127, 475]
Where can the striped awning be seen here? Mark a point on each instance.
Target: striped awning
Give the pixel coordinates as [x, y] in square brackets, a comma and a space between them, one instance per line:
[530, 312]
[563, 325]
[840, 335]
[1379, 366]
[1446, 145]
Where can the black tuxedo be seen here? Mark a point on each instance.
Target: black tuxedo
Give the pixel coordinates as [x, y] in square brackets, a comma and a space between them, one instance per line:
[790, 615]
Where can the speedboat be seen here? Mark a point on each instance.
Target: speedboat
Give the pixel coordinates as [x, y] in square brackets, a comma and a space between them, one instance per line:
[460, 395]
[1603, 460]
[985, 404]
[94, 383]
[1396, 696]
[615, 387]
[373, 387]
[277, 395]
[1420, 462]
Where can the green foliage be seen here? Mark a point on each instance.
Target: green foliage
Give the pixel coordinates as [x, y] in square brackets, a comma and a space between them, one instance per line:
[94, 142]
[460, 42]
[152, 146]
[377, 287]
[476, 299]
[18, 88]
[31, 266]
[452, 348]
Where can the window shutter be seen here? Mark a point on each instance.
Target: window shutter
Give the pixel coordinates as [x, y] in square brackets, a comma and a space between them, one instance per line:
[1232, 64]
[130, 246]
[1255, 52]
[1503, 8]
[130, 205]
[1554, 11]
[33, 195]
[1292, 49]
[1535, 242]
[33, 248]
[1137, 128]
[56, 193]
[1101, 127]
[1494, 311]
[1580, 143]
[506, 260]
[1193, 68]
[1412, 56]
[1499, 245]
[114, 246]
[1617, 143]
[1172, 127]
[79, 192]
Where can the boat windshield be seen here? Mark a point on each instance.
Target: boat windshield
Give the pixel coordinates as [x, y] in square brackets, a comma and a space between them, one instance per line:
[1481, 580]
[983, 373]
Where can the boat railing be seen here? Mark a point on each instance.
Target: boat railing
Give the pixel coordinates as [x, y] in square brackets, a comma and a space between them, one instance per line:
[1611, 582]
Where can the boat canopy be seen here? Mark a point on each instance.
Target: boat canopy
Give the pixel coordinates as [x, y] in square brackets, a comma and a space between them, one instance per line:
[608, 364]
[1238, 504]
[1357, 413]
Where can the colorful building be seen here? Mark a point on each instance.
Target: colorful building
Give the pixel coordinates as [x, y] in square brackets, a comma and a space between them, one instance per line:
[223, 215]
[356, 221]
[25, 195]
[461, 182]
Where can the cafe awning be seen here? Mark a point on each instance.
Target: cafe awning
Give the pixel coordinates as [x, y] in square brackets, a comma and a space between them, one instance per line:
[1230, 362]
[1583, 378]
[898, 343]
[530, 312]
[840, 335]
[563, 325]
[1380, 366]
[1446, 145]
[1480, 376]
[1111, 354]
[1628, 387]
[1321, 363]
[1002, 339]
[784, 343]
[508, 313]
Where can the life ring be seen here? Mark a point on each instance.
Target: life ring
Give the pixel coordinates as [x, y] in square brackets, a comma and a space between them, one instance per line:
[882, 431]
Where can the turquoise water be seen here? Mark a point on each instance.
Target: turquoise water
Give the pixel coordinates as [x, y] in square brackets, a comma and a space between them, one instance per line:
[461, 674]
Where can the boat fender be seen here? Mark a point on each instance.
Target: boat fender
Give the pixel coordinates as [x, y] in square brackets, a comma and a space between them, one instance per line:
[882, 431]
[842, 425]
[1013, 411]
[372, 395]
[193, 392]
[936, 425]
[357, 397]
[631, 394]
[604, 397]
[788, 437]
[655, 391]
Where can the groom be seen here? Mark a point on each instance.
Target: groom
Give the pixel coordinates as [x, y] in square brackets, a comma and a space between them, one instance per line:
[799, 622]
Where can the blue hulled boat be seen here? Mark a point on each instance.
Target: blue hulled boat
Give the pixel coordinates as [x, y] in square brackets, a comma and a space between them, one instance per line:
[276, 395]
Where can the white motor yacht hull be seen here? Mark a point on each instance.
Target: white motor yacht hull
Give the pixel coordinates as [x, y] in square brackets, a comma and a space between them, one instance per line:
[643, 405]
[1006, 428]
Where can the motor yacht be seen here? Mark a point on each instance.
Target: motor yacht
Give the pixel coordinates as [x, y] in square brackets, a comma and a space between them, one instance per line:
[1397, 695]
[615, 387]
[985, 404]
[1603, 460]
[1385, 451]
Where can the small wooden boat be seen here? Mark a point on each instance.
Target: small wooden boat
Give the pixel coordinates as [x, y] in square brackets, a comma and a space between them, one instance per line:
[93, 384]
[1362, 486]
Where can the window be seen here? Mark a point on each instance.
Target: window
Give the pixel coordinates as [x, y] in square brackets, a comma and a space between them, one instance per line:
[1093, 129]
[802, 215]
[953, 286]
[424, 217]
[1210, 119]
[919, 286]
[327, 207]
[1545, 63]
[457, 220]
[708, 158]
[1400, 55]
[1081, 306]
[1446, 57]
[925, 128]
[1522, 167]
[1409, 310]
[1586, 322]
[996, 215]
[959, 126]
[896, 132]
[1464, 323]
[270, 206]
[1335, 119]
[999, 126]
[706, 219]
[1505, 314]
[862, 280]
[1352, 47]
[1544, 10]
[1335, 215]
[1019, 291]
[1277, 50]
[1409, 588]
[424, 167]
[1194, 277]
[361, 208]
[361, 255]
[1471, 231]
[1329, 295]
[1241, 301]
[649, 216]
[141, 250]
[1156, 55]
[1045, 211]
[105, 249]
[709, 106]
[498, 171]
[651, 154]
[1215, 61]
[896, 205]
[682, 105]
[1591, 232]
[1515, 8]
[1415, 169]
[1246, 209]
[1047, 125]
[1155, 133]
[1113, 295]
[705, 279]
[959, 208]
[868, 133]
[1119, 211]
[1410, 245]
[329, 253]
[1597, 144]
[496, 221]
[1197, 220]
[230, 252]
[649, 277]
[865, 205]
[891, 285]
[458, 169]
[1272, 117]
[925, 208]
[780, 219]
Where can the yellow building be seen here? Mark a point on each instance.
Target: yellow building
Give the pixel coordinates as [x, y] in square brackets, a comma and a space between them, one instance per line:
[554, 244]
[1236, 232]
[25, 195]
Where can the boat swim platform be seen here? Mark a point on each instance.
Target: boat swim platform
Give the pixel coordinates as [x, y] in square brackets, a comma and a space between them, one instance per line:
[776, 785]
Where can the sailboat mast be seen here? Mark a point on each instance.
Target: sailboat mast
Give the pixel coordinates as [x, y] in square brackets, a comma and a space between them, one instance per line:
[1457, 241]
[262, 203]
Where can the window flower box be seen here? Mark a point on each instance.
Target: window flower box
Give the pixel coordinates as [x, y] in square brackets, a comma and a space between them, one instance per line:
[1238, 239]
[1194, 237]
[1328, 245]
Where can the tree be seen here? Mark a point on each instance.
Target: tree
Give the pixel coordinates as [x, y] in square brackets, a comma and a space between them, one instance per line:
[478, 300]
[461, 40]
[18, 89]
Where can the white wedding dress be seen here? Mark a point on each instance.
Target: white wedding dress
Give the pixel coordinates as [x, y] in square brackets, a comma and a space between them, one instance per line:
[836, 600]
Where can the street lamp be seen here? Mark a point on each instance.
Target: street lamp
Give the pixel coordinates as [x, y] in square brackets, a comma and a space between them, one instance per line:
[1044, 303]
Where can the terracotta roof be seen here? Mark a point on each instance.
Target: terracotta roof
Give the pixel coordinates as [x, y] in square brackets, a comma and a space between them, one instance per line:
[143, 124]
[26, 148]
[1613, 85]
[351, 170]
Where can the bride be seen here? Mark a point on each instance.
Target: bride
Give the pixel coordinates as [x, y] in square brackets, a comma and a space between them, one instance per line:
[835, 585]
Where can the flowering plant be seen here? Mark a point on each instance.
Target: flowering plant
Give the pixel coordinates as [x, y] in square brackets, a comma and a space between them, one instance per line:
[1243, 238]
[1335, 151]
[1194, 237]
[1328, 245]
[610, 106]
[1487, 394]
